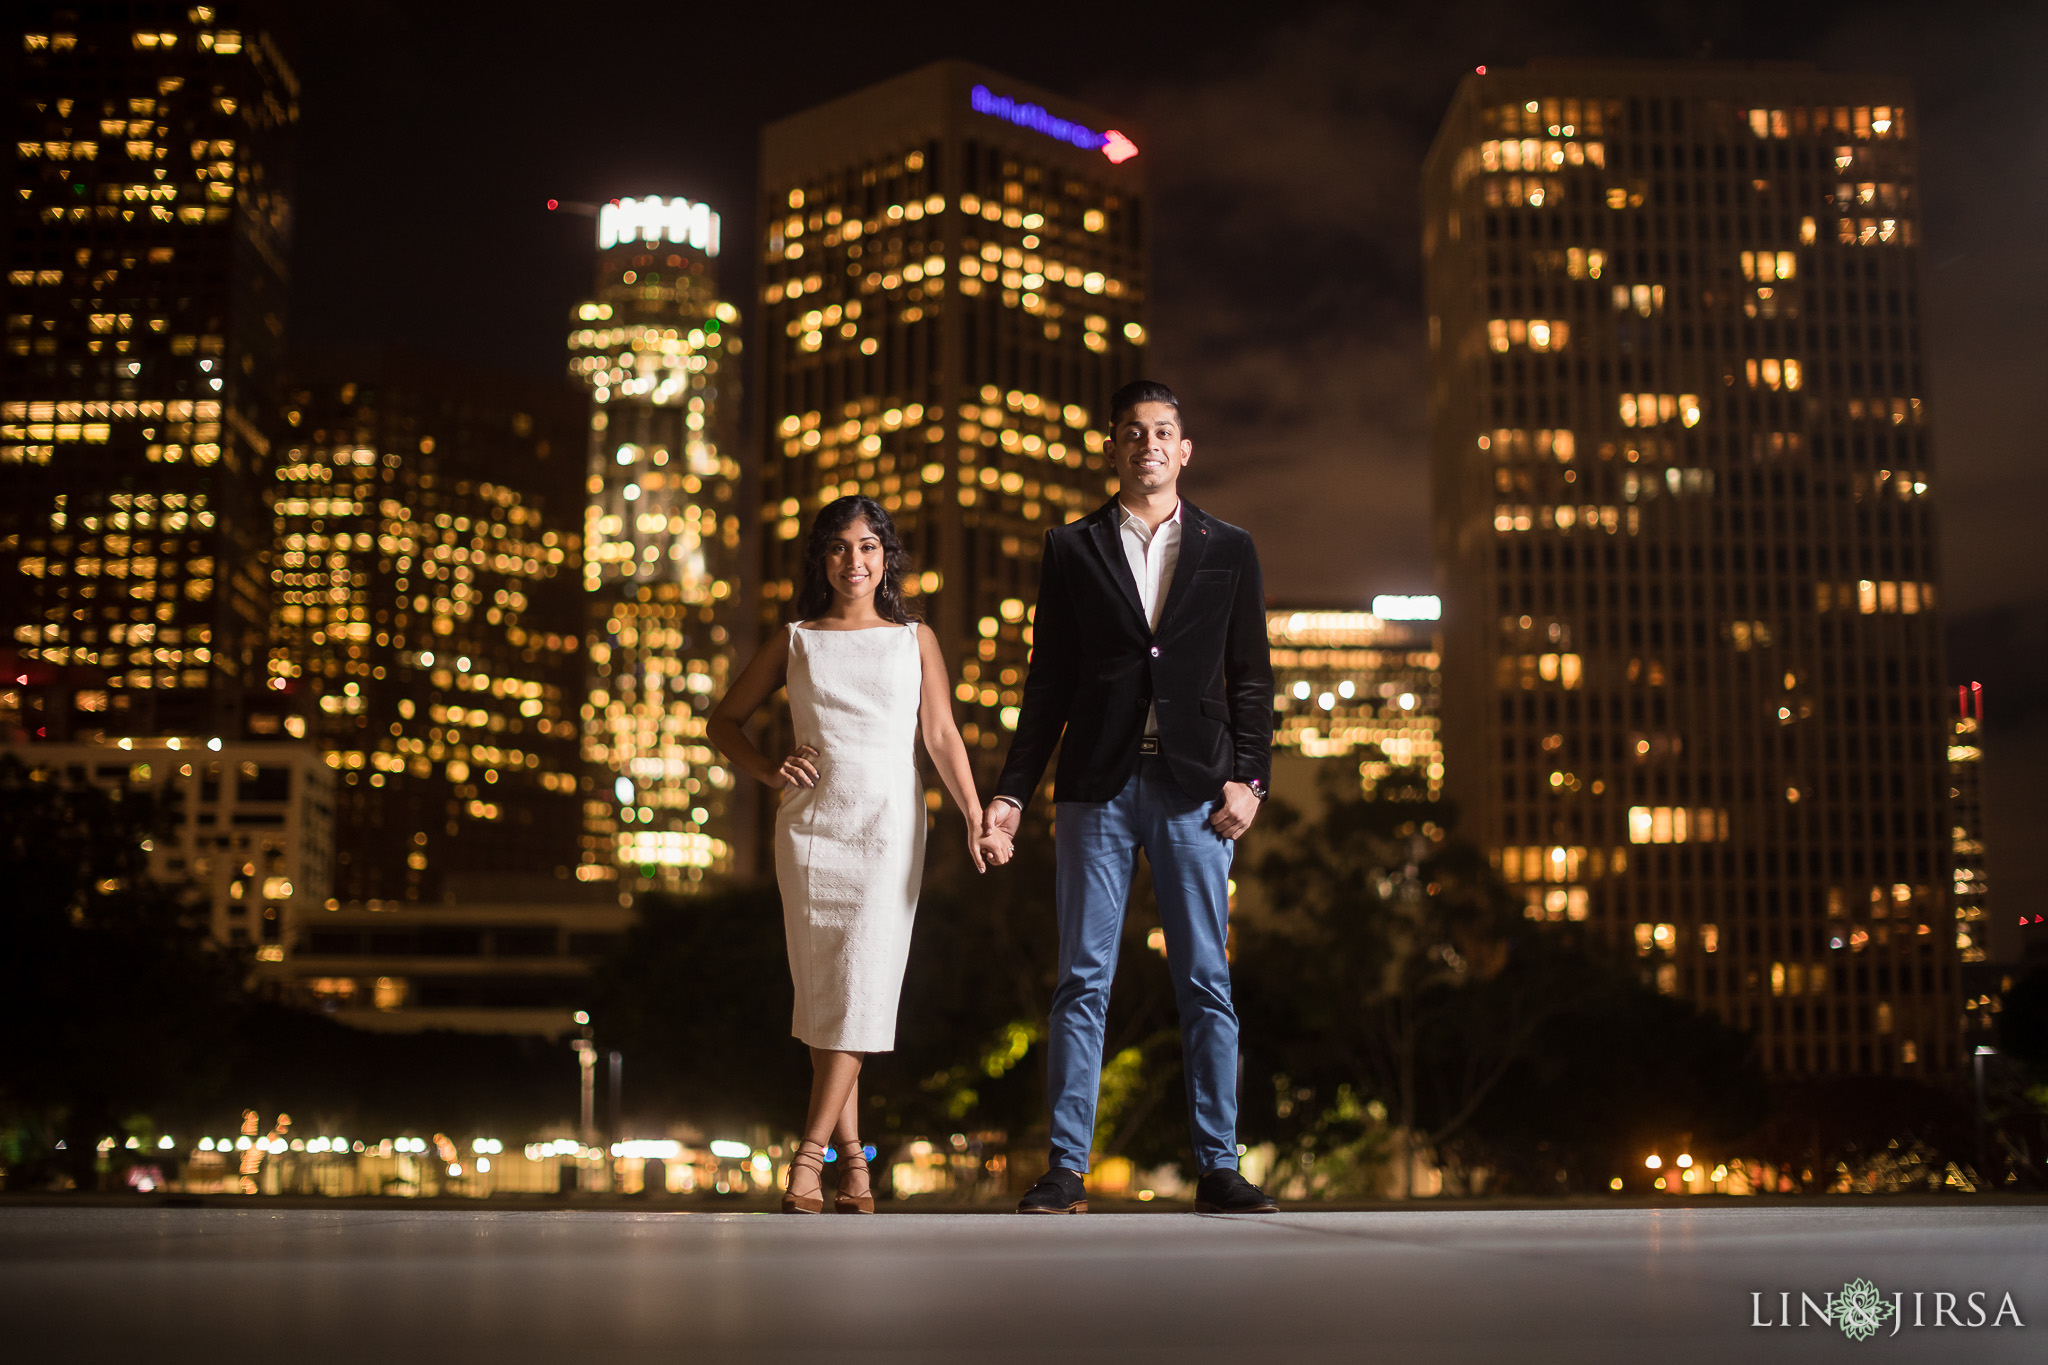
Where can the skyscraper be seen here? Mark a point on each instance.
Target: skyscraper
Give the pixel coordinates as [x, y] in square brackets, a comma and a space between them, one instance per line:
[953, 281]
[145, 266]
[1966, 798]
[1684, 518]
[429, 627]
[1358, 688]
[657, 348]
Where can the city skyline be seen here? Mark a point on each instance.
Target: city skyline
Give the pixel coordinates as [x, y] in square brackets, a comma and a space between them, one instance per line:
[257, 177]
[1288, 142]
[386, 668]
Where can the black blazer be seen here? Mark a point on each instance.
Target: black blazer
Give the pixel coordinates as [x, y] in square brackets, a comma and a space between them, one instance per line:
[1096, 664]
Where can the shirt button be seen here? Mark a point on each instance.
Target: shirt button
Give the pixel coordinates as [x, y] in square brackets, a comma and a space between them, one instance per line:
[1155, 651]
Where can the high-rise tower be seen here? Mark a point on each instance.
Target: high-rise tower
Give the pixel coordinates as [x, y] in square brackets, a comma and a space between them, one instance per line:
[1966, 803]
[953, 279]
[1684, 518]
[428, 625]
[145, 267]
[657, 348]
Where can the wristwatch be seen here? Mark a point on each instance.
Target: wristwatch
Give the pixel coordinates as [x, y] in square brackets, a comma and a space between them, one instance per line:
[1259, 788]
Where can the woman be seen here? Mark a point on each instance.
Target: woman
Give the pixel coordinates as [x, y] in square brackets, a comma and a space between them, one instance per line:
[865, 682]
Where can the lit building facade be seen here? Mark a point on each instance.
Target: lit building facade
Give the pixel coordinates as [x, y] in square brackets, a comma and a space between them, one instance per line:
[1359, 688]
[1966, 809]
[145, 267]
[251, 825]
[1684, 519]
[658, 350]
[953, 282]
[428, 627]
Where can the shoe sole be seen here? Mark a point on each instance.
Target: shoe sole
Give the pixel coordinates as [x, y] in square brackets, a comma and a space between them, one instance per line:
[1203, 1206]
[1080, 1207]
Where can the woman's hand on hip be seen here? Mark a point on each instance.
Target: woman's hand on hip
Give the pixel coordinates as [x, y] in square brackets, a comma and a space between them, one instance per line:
[798, 770]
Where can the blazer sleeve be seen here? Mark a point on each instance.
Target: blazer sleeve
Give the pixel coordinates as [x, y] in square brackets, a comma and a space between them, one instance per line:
[1049, 682]
[1248, 676]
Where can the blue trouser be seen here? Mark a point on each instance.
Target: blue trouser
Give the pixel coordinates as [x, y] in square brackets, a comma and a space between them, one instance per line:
[1098, 844]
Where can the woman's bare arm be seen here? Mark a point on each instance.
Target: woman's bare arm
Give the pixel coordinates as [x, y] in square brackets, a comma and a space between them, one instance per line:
[763, 676]
[942, 739]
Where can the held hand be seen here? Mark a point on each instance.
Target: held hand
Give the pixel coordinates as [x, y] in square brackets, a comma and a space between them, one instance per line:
[974, 850]
[993, 850]
[1237, 812]
[1000, 817]
[798, 770]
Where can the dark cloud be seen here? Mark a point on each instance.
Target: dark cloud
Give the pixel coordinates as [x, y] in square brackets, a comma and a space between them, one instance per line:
[1286, 298]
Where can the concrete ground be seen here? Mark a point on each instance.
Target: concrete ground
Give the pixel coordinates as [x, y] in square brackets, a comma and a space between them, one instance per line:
[394, 1286]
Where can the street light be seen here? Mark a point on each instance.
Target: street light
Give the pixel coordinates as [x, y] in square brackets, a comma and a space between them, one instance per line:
[586, 1060]
[1983, 1141]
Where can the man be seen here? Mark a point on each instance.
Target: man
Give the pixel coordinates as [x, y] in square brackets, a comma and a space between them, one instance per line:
[1149, 656]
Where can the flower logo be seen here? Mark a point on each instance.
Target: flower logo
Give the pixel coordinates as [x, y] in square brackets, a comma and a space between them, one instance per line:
[1860, 1310]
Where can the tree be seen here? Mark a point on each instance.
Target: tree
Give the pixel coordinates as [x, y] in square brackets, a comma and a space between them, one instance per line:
[1396, 998]
[697, 996]
[113, 999]
[1624, 1071]
[2016, 1082]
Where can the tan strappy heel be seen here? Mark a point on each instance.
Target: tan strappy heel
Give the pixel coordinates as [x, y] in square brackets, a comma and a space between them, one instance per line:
[805, 1203]
[852, 1203]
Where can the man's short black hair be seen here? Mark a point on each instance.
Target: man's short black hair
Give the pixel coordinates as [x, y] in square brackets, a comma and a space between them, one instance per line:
[1143, 391]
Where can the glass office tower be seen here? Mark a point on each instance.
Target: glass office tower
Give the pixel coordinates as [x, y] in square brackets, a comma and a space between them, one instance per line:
[428, 625]
[657, 349]
[145, 255]
[953, 280]
[1685, 524]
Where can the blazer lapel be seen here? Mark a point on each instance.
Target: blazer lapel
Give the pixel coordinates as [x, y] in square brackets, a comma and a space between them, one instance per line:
[1108, 539]
[1194, 543]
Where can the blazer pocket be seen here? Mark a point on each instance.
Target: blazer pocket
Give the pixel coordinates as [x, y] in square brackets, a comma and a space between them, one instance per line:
[1218, 576]
[1216, 711]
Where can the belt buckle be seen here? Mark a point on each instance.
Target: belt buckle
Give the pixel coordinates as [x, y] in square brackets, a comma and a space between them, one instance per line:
[1149, 744]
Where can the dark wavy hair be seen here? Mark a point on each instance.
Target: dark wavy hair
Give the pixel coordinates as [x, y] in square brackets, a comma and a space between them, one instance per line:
[832, 518]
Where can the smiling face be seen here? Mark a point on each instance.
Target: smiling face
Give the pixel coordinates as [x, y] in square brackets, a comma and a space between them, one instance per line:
[854, 560]
[1148, 450]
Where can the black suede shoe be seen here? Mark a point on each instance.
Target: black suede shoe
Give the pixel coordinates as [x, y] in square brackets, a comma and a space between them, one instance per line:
[1057, 1191]
[1223, 1190]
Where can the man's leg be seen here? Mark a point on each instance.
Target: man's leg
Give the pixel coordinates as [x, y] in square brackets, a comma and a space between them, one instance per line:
[1097, 852]
[1191, 880]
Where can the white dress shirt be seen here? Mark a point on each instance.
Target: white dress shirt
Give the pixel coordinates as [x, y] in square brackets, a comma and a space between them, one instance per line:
[1152, 555]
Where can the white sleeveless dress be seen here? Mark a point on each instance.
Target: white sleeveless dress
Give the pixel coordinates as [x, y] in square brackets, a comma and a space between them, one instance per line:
[849, 852]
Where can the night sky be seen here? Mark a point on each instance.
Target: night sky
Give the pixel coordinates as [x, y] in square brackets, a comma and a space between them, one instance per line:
[1284, 145]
